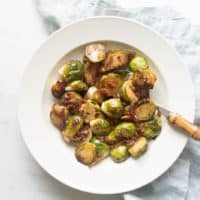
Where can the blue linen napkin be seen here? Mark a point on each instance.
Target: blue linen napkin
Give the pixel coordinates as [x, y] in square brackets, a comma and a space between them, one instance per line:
[181, 181]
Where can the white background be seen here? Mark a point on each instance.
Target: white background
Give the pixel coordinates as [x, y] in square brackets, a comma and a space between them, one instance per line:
[21, 33]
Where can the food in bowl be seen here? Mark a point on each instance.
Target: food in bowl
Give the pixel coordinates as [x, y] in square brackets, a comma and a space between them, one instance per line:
[103, 107]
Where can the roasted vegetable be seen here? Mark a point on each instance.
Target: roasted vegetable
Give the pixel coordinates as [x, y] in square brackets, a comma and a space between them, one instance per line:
[109, 84]
[144, 79]
[73, 125]
[95, 52]
[124, 130]
[59, 115]
[77, 86]
[94, 95]
[90, 111]
[112, 108]
[137, 63]
[58, 88]
[72, 101]
[119, 153]
[127, 92]
[72, 71]
[91, 71]
[100, 126]
[150, 129]
[139, 147]
[86, 153]
[83, 135]
[102, 150]
[115, 59]
[143, 111]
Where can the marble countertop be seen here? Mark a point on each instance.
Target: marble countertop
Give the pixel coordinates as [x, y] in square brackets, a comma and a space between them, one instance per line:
[21, 33]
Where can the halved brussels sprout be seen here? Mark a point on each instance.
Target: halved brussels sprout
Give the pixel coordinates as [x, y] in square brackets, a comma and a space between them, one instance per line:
[151, 129]
[115, 59]
[100, 126]
[144, 78]
[95, 52]
[58, 88]
[137, 63]
[109, 84]
[127, 92]
[86, 153]
[90, 111]
[91, 71]
[94, 95]
[73, 125]
[144, 111]
[72, 71]
[112, 108]
[72, 101]
[139, 147]
[77, 86]
[124, 130]
[59, 115]
[83, 135]
[102, 150]
[119, 153]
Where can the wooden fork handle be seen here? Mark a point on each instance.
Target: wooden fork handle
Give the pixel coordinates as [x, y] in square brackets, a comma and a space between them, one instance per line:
[192, 129]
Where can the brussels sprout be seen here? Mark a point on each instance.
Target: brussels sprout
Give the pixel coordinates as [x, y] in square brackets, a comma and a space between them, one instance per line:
[144, 111]
[94, 95]
[109, 84]
[91, 71]
[115, 59]
[127, 92]
[90, 111]
[139, 147]
[77, 86]
[100, 126]
[137, 63]
[72, 101]
[124, 130]
[152, 128]
[58, 88]
[59, 115]
[86, 153]
[72, 71]
[95, 52]
[112, 108]
[102, 150]
[119, 153]
[73, 125]
[144, 79]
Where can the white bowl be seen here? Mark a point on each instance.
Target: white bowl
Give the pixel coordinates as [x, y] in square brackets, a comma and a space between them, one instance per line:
[173, 89]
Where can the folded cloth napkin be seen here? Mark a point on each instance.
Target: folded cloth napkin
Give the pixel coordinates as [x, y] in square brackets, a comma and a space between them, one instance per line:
[181, 181]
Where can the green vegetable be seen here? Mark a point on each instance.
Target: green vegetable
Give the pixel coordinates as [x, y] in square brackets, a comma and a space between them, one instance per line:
[127, 92]
[137, 63]
[139, 147]
[77, 86]
[110, 84]
[73, 125]
[94, 95]
[119, 154]
[145, 111]
[59, 115]
[72, 71]
[112, 108]
[86, 153]
[90, 111]
[124, 130]
[151, 129]
[100, 126]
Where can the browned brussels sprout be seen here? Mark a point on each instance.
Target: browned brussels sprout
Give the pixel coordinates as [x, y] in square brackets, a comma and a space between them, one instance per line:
[59, 115]
[94, 94]
[58, 88]
[77, 86]
[119, 153]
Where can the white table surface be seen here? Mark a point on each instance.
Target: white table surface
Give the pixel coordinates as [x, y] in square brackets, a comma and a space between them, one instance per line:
[21, 33]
